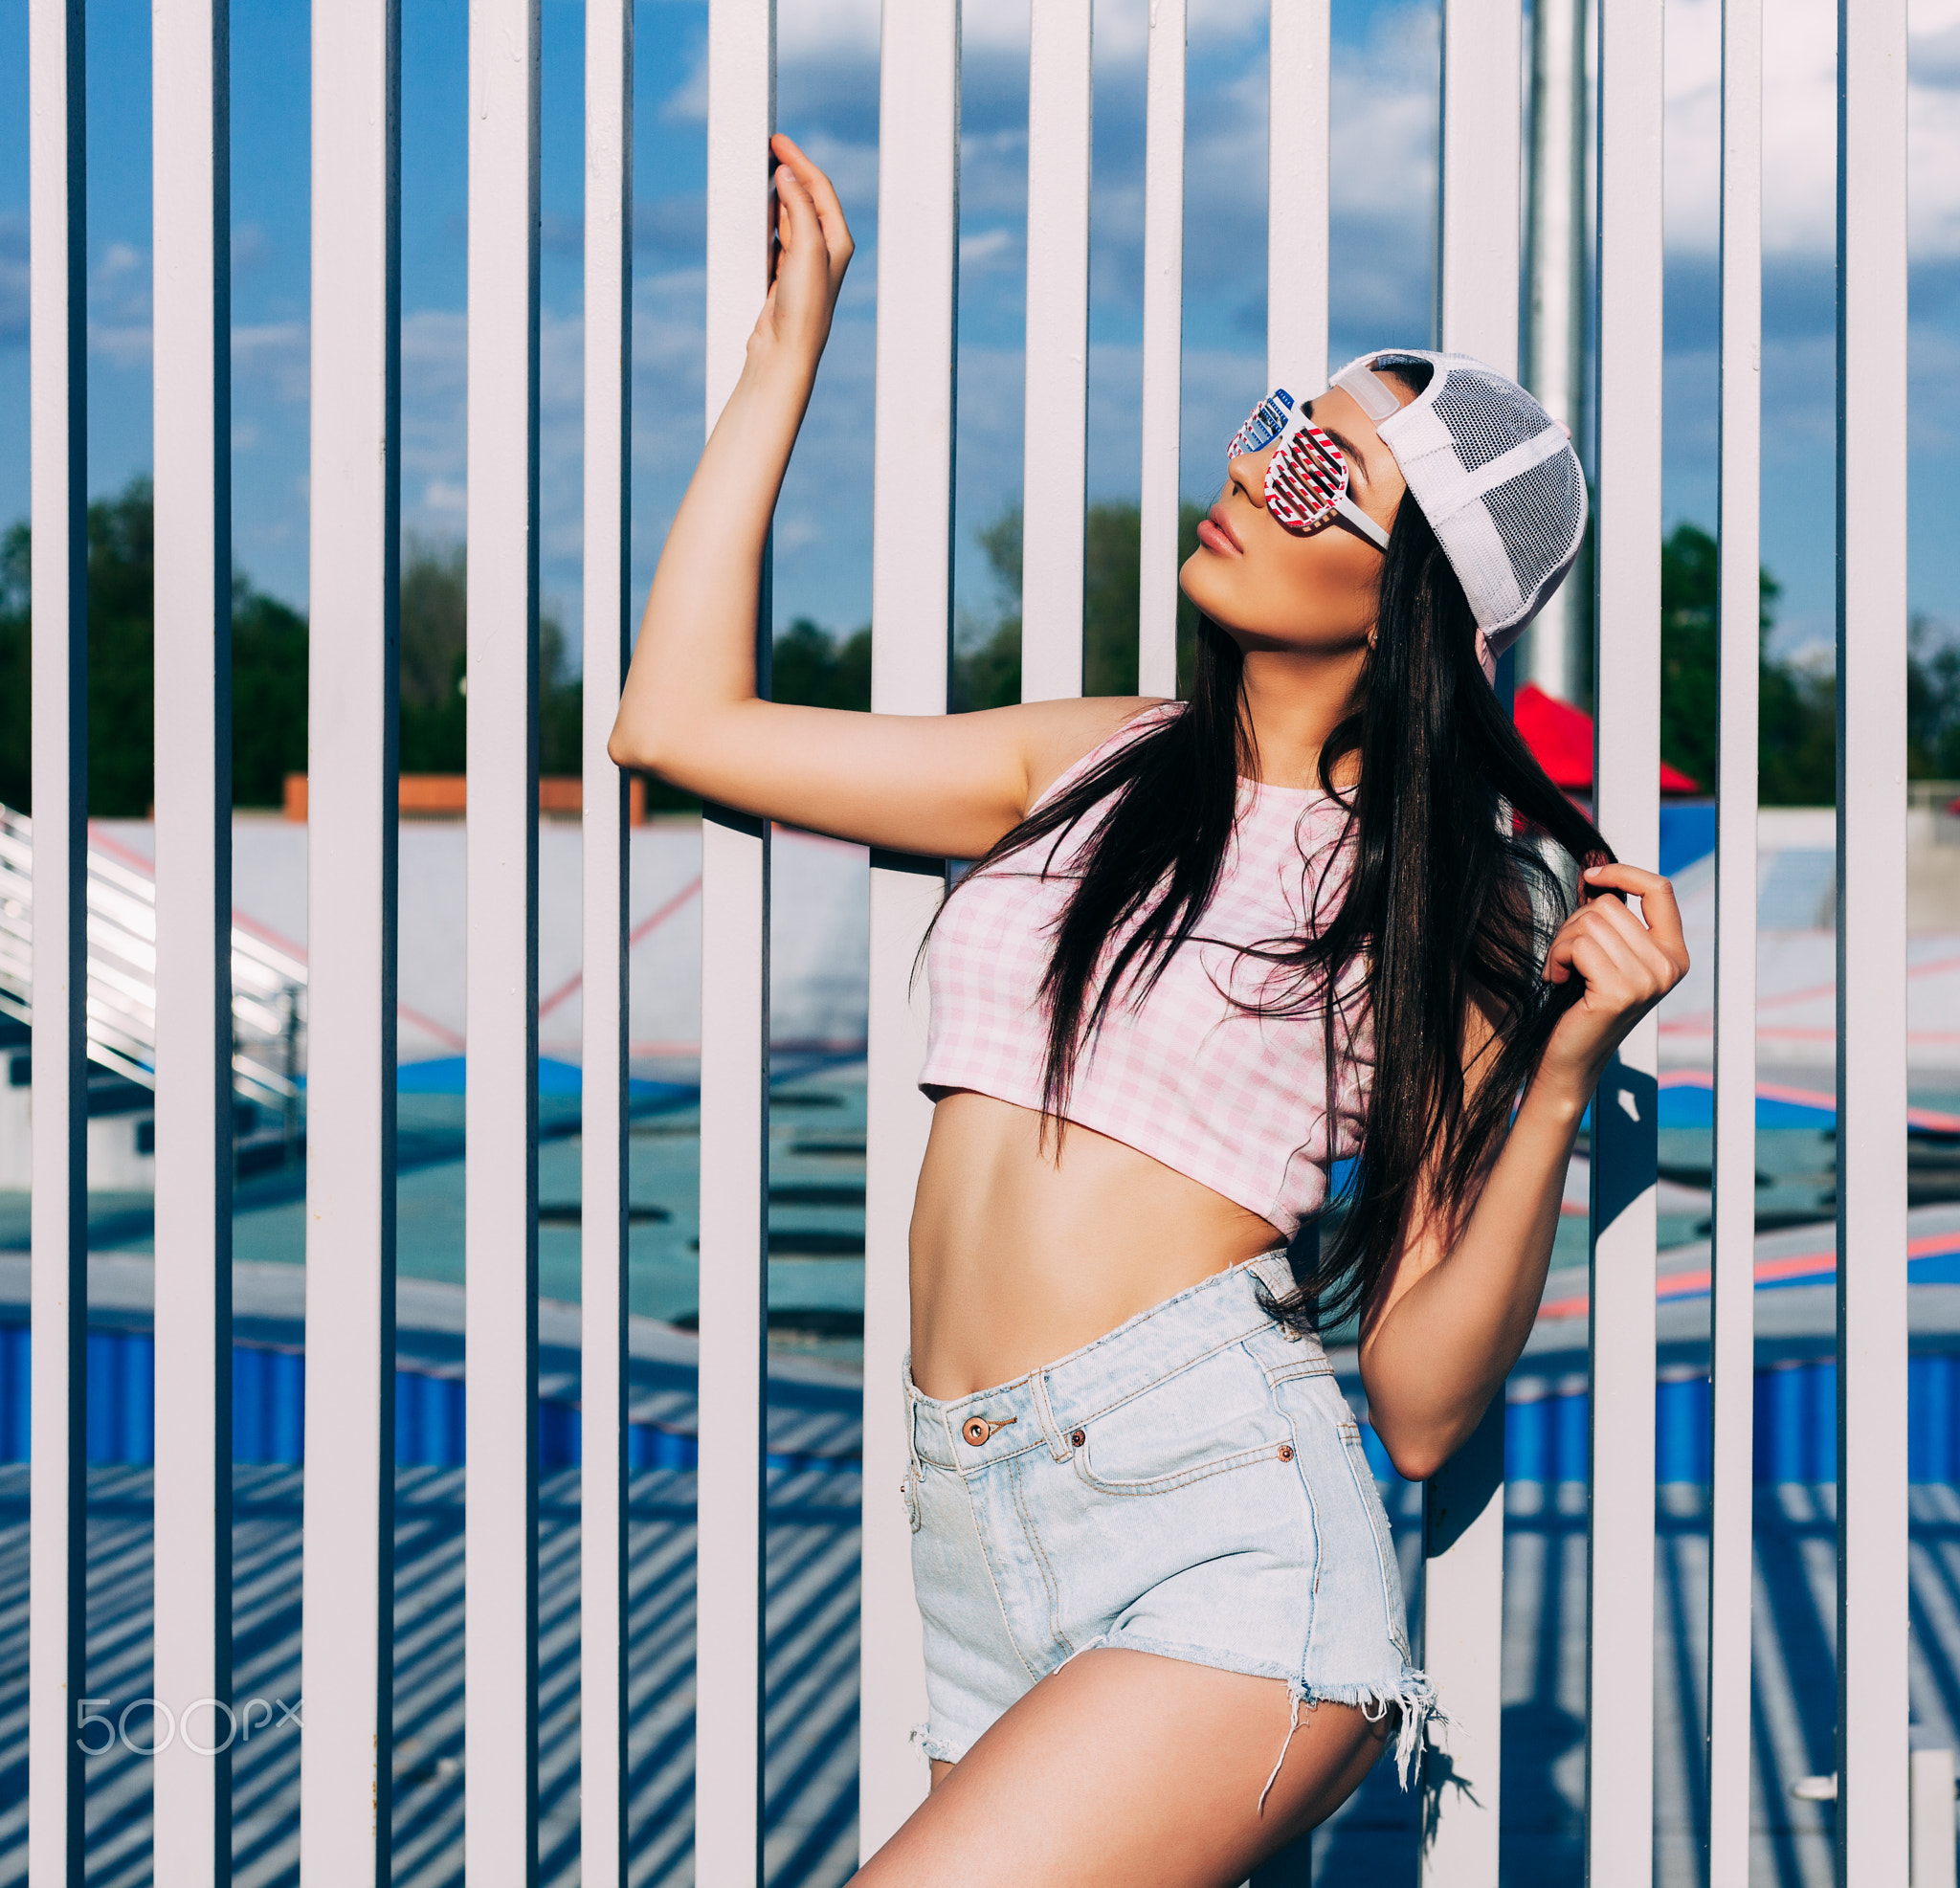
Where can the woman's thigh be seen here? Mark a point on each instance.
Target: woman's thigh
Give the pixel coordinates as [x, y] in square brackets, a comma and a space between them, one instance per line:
[1129, 1769]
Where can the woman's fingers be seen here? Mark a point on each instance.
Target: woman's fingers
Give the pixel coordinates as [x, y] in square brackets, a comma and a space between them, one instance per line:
[1657, 904]
[1583, 953]
[1608, 947]
[796, 219]
[1646, 950]
[1614, 975]
[822, 197]
[1580, 947]
[805, 276]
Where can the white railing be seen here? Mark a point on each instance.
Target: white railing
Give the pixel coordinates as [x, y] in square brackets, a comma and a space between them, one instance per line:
[267, 976]
[354, 500]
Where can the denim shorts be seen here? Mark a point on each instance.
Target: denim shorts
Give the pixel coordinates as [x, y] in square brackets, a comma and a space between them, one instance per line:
[1191, 1484]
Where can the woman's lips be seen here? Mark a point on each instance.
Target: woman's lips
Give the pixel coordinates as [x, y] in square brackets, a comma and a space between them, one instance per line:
[1215, 535]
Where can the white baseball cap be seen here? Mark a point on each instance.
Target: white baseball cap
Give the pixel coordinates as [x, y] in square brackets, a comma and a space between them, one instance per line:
[1495, 474]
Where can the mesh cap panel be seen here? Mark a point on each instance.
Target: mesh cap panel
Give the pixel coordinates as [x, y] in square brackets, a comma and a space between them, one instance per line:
[1496, 477]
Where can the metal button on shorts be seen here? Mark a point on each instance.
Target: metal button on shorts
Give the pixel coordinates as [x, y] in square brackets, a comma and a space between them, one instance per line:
[1193, 1484]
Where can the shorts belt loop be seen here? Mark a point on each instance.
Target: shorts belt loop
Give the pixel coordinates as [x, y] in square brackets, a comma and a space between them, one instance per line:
[1057, 1445]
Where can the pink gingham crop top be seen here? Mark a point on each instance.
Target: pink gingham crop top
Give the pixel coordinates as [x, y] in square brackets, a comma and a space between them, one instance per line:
[1234, 1101]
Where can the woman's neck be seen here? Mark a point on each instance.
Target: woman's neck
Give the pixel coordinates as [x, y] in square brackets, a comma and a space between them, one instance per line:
[1294, 700]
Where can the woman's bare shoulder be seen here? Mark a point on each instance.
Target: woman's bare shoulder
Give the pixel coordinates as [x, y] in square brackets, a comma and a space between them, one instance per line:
[1058, 734]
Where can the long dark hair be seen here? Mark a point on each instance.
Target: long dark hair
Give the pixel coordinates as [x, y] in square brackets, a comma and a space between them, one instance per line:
[1453, 895]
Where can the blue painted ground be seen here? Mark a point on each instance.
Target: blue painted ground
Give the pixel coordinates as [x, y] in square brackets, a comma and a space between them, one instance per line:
[812, 1725]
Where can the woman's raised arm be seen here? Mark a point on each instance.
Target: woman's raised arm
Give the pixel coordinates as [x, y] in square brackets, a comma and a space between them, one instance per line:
[950, 785]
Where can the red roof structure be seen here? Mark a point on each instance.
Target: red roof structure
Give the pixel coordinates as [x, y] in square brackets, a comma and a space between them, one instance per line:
[1561, 738]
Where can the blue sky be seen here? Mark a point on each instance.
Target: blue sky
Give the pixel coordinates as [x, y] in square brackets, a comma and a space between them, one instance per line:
[1384, 144]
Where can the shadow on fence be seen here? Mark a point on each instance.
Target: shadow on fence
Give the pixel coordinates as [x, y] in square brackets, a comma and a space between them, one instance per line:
[813, 1679]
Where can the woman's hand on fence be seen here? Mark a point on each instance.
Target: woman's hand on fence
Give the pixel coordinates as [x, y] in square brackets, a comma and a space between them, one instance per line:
[1627, 964]
[812, 250]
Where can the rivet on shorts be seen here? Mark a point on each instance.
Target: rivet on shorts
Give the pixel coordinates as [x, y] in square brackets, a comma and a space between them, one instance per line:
[1285, 1451]
[1077, 1438]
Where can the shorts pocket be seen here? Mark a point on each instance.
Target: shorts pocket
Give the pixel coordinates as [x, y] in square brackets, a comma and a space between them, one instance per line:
[1212, 1417]
[1370, 1496]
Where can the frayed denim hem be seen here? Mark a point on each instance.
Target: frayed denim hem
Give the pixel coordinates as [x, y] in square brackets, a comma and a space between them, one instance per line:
[1412, 1695]
[941, 1750]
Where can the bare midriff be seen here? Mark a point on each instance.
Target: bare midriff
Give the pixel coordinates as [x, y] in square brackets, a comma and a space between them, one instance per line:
[1022, 1252]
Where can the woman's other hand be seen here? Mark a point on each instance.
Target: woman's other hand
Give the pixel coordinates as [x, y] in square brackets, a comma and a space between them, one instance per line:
[1453, 1314]
[812, 252]
[1627, 963]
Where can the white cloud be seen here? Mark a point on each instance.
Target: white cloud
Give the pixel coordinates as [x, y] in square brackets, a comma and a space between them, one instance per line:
[824, 29]
[1800, 125]
[13, 279]
[119, 308]
[275, 355]
[1932, 145]
[987, 250]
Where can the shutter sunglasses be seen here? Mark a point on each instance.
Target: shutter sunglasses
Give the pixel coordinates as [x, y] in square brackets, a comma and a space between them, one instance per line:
[1307, 477]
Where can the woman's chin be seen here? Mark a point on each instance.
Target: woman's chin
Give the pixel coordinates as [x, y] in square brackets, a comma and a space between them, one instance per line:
[1195, 581]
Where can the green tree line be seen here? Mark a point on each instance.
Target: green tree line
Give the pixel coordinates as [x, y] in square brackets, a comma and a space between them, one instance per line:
[268, 669]
[1798, 726]
[1798, 739]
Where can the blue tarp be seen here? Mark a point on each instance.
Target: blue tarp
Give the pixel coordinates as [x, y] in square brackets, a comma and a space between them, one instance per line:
[1687, 832]
[444, 1075]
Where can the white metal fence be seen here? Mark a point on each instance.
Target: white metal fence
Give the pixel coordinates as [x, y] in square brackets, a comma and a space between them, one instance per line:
[354, 500]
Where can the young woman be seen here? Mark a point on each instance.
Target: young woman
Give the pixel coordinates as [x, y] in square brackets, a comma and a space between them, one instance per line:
[1210, 949]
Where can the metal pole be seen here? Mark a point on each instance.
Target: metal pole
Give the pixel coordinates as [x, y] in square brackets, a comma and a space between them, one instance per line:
[1555, 329]
[1872, 406]
[1163, 375]
[1733, 1351]
[1619, 1667]
[1299, 64]
[603, 998]
[911, 614]
[734, 1054]
[1055, 482]
[57, 1589]
[347, 1618]
[190, 168]
[501, 1106]
[1463, 1509]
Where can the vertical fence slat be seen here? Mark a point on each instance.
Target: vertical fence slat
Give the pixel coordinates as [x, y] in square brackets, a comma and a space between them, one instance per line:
[58, 294]
[501, 1108]
[1732, 1340]
[734, 1056]
[911, 614]
[190, 168]
[1872, 1548]
[1299, 60]
[1558, 215]
[1481, 146]
[1619, 1744]
[1463, 1519]
[1163, 364]
[603, 993]
[1055, 480]
[348, 1614]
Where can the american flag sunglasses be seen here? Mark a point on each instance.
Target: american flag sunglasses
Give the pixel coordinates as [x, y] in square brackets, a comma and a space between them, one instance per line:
[1307, 477]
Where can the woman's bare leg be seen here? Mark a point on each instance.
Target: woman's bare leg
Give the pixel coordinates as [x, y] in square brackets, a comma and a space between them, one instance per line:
[1129, 1769]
